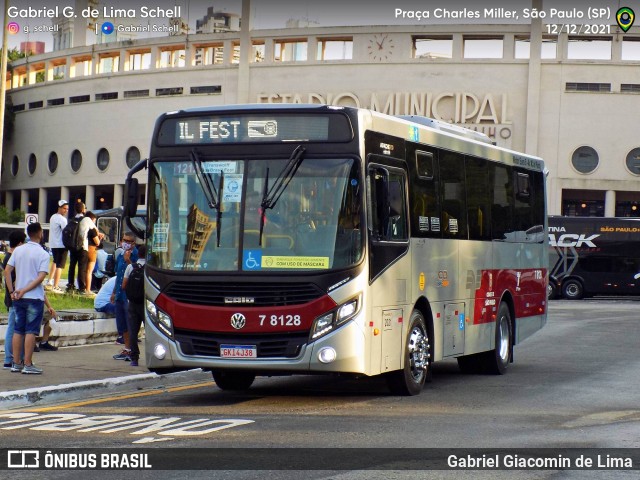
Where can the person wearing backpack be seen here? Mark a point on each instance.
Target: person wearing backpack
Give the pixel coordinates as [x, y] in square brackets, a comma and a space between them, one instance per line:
[75, 239]
[133, 285]
[127, 254]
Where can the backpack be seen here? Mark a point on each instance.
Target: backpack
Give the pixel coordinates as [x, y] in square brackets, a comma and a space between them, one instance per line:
[135, 284]
[71, 235]
[110, 266]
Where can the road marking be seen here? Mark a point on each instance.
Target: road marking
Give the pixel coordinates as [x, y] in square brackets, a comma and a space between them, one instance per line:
[120, 397]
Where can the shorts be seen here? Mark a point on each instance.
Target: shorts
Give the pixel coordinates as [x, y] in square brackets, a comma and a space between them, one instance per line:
[59, 257]
[29, 313]
[93, 254]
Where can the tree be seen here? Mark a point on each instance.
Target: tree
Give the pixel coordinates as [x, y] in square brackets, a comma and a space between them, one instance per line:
[16, 216]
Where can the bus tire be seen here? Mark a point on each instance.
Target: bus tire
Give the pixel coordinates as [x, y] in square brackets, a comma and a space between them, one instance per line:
[498, 359]
[417, 360]
[233, 380]
[552, 290]
[572, 290]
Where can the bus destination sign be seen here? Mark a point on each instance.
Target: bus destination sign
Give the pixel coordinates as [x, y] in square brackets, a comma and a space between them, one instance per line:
[211, 129]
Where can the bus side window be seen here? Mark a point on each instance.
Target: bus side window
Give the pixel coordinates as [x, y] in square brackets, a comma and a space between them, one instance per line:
[454, 210]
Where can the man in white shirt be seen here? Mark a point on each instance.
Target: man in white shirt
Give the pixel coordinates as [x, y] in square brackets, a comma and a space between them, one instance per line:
[57, 222]
[31, 264]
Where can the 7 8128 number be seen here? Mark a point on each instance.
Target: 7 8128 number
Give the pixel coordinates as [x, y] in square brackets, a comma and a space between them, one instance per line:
[280, 320]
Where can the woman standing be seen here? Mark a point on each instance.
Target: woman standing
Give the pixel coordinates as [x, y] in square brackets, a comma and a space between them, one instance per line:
[94, 238]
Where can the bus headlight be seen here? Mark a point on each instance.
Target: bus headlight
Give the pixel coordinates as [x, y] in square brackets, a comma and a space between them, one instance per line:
[339, 315]
[160, 318]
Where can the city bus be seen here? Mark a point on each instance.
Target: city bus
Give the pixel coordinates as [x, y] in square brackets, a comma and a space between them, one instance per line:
[593, 256]
[312, 239]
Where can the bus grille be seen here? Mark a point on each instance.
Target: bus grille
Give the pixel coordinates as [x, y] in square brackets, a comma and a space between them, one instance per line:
[264, 294]
[268, 346]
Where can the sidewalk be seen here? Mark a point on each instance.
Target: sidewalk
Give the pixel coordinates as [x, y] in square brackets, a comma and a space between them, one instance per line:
[78, 372]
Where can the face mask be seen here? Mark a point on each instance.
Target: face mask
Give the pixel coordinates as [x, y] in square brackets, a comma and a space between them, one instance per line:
[126, 245]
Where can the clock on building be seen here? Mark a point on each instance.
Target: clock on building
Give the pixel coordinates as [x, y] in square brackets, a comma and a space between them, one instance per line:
[380, 47]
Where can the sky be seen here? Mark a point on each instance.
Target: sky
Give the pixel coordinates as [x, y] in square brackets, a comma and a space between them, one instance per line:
[275, 13]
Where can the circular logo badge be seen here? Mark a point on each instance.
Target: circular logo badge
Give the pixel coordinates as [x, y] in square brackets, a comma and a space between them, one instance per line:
[238, 321]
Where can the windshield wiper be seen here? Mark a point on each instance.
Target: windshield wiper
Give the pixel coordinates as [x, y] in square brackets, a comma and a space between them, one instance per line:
[270, 197]
[213, 195]
[205, 180]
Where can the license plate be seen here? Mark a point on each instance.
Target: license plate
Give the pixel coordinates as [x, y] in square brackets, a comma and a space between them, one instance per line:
[238, 351]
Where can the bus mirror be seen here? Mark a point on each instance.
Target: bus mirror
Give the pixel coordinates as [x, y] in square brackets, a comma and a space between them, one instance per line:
[131, 197]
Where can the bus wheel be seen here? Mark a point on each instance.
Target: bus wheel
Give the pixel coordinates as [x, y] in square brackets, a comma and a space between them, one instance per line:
[552, 291]
[233, 380]
[417, 360]
[497, 359]
[572, 290]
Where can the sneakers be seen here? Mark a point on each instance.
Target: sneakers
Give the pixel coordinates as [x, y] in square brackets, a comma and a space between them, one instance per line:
[7, 366]
[123, 355]
[57, 290]
[120, 340]
[134, 363]
[36, 348]
[47, 347]
[48, 287]
[31, 370]
[16, 367]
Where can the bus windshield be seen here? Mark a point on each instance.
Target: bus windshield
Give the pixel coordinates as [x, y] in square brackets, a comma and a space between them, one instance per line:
[314, 223]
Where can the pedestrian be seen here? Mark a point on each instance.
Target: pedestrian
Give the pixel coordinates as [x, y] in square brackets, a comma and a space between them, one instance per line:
[99, 276]
[16, 238]
[135, 310]
[127, 254]
[76, 255]
[102, 302]
[93, 240]
[57, 222]
[80, 256]
[31, 264]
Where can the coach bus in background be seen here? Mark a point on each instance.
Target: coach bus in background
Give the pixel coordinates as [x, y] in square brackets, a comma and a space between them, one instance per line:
[288, 239]
[593, 256]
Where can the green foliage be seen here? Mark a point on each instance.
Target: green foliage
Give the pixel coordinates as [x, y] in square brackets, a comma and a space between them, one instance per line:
[16, 216]
[15, 54]
[4, 214]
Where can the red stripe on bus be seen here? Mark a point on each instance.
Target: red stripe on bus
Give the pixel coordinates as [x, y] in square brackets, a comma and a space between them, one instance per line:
[528, 287]
[293, 318]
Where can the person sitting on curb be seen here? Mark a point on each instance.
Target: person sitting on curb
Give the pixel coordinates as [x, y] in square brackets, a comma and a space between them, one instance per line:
[102, 301]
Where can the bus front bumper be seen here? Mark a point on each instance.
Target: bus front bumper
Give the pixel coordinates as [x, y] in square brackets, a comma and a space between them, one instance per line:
[163, 354]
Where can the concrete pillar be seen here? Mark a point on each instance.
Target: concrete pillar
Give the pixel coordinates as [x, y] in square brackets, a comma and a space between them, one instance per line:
[64, 195]
[457, 46]
[610, 203]
[24, 200]
[118, 191]
[90, 197]
[8, 200]
[42, 205]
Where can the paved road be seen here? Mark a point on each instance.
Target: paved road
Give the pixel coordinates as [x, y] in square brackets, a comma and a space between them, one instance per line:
[575, 384]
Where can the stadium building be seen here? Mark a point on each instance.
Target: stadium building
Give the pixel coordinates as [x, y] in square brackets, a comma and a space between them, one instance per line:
[84, 114]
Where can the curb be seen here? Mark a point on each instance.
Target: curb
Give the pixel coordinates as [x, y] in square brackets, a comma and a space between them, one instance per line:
[37, 396]
[76, 329]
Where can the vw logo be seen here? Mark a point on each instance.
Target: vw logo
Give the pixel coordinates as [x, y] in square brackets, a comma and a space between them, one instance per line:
[238, 321]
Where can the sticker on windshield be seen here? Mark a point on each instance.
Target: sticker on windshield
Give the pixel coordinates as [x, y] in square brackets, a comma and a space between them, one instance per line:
[232, 191]
[252, 259]
[160, 242]
[269, 261]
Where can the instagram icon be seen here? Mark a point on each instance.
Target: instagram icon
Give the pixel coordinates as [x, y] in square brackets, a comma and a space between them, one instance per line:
[13, 28]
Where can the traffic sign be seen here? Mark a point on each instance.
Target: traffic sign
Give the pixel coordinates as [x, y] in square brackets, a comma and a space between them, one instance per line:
[30, 218]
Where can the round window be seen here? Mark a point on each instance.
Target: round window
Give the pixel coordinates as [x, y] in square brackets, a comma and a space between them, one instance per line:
[133, 156]
[32, 164]
[76, 160]
[585, 159]
[103, 159]
[53, 162]
[15, 165]
[633, 161]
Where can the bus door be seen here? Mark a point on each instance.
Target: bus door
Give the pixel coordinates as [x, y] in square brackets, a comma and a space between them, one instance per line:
[389, 266]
